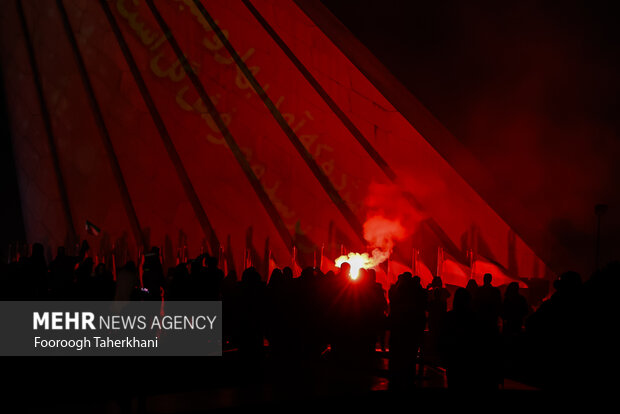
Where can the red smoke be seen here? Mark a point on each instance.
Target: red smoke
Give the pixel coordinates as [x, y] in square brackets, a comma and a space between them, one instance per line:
[389, 218]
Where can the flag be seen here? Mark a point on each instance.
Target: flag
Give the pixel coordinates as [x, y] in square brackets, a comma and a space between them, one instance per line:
[114, 266]
[328, 265]
[397, 268]
[452, 272]
[247, 258]
[482, 265]
[420, 269]
[272, 266]
[294, 266]
[141, 267]
[92, 229]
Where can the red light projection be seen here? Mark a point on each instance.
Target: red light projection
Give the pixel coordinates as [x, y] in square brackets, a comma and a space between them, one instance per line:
[304, 152]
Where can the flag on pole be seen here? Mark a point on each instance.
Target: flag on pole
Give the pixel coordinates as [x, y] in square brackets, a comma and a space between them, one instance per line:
[440, 259]
[396, 268]
[221, 260]
[141, 267]
[114, 266]
[452, 271]
[483, 265]
[455, 273]
[272, 266]
[92, 229]
[247, 258]
[294, 266]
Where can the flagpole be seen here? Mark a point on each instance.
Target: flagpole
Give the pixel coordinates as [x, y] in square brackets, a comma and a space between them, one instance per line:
[114, 266]
[322, 252]
[269, 267]
[141, 270]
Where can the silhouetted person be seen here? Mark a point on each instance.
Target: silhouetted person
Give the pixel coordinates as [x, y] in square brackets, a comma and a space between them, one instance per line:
[104, 285]
[557, 333]
[84, 280]
[61, 274]
[514, 310]
[458, 343]
[277, 322]
[251, 312]
[488, 306]
[36, 272]
[472, 287]
[437, 309]
[230, 309]
[408, 304]
[214, 278]
[380, 308]
[153, 274]
[288, 273]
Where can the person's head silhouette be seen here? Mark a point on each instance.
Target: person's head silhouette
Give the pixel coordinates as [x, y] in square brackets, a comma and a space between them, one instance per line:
[437, 282]
[512, 290]
[288, 273]
[462, 300]
[487, 279]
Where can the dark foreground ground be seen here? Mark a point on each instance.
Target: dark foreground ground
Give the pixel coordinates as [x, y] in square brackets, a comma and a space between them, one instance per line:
[229, 384]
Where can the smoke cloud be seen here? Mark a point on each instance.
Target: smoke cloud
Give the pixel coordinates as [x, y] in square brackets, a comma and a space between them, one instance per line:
[390, 218]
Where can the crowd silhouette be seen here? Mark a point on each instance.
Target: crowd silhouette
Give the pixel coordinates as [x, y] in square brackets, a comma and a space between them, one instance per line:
[476, 335]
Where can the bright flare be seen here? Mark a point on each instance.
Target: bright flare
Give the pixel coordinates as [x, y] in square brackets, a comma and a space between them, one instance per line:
[357, 261]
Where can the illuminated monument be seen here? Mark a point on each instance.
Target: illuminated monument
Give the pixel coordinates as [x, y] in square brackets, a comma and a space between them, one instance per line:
[252, 127]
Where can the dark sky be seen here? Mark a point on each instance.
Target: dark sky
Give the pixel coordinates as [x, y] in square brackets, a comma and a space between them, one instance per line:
[530, 87]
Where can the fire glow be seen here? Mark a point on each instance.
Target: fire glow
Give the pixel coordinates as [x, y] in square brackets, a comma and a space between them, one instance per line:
[380, 233]
[357, 261]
